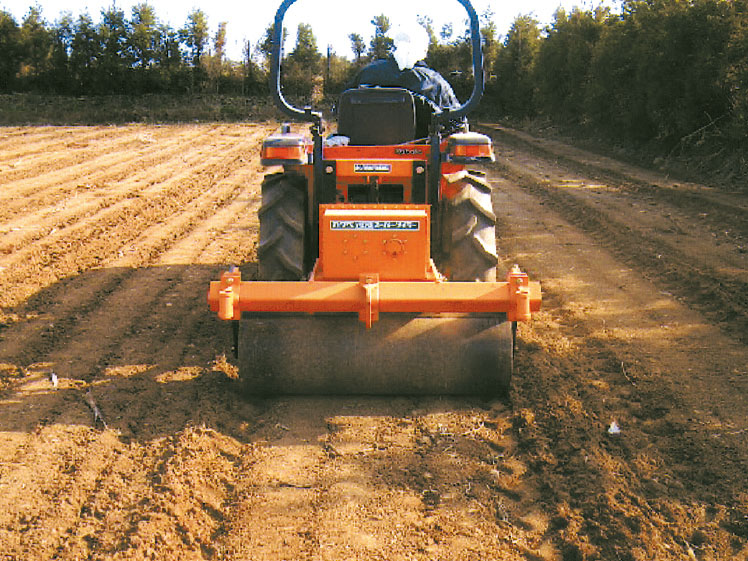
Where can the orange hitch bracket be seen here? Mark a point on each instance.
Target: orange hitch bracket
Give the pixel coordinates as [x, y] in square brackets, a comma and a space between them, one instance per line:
[518, 297]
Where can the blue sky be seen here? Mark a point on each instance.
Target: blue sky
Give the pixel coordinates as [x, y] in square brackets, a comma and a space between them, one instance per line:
[332, 20]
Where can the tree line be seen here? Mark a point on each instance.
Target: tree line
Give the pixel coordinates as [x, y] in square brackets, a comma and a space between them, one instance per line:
[117, 55]
[667, 71]
[661, 70]
[136, 53]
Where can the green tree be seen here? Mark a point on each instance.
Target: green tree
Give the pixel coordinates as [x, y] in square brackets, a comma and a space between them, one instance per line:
[513, 67]
[302, 68]
[453, 59]
[219, 42]
[173, 75]
[36, 46]
[615, 102]
[10, 47]
[144, 41]
[195, 35]
[255, 80]
[357, 46]
[339, 72]
[62, 46]
[563, 62]
[85, 54]
[265, 47]
[144, 36]
[428, 26]
[659, 72]
[381, 45]
[489, 38]
[306, 51]
[168, 50]
[115, 60]
[685, 68]
[737, 71]
[215, 62]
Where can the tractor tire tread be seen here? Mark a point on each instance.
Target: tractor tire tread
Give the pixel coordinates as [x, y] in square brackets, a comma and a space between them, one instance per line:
[282, 225]
[471, 231]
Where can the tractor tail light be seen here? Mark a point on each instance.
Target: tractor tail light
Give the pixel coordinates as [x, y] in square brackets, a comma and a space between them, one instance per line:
[467, 147]
[285, 149]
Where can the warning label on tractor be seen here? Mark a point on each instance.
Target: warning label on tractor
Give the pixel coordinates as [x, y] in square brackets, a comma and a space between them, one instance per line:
[409, 225]
[372, 168]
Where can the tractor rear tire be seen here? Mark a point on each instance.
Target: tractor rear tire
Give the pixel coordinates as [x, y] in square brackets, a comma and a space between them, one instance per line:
[470, 230]
[470, 236]
[282, 227]
[281, 258]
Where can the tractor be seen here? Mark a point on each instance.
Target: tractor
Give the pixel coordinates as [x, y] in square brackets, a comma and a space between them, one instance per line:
[377, 256]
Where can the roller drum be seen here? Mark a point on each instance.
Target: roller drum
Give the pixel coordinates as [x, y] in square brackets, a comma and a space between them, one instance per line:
[401, 354]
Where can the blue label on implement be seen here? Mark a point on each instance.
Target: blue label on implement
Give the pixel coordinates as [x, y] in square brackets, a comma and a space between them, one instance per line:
[409, 225]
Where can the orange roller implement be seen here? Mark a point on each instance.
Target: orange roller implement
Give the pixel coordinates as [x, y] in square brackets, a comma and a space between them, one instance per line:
[517, 297]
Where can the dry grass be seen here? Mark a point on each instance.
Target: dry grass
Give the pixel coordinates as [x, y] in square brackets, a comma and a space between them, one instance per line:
[32, 109]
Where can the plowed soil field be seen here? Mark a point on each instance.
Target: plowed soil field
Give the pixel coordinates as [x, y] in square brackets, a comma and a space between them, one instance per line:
[625, 436]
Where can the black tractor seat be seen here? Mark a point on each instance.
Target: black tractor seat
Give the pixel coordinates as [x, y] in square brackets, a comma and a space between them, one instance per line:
[372, 116]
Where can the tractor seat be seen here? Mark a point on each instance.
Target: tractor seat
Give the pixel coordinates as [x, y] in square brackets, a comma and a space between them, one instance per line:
[377, 116]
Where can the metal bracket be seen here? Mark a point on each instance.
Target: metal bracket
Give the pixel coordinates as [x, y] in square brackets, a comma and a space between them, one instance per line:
[370, 312]
[228, 295]
[519, 295]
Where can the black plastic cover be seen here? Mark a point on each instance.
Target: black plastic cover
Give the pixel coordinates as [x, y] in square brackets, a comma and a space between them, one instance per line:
[377, 116]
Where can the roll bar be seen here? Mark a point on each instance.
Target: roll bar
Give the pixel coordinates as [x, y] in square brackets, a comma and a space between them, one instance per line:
[307, 114]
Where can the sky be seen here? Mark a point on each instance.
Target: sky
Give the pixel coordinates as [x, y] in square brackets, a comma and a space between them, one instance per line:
[331, 20]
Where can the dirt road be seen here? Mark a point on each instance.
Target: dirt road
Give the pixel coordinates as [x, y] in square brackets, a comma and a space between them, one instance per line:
[108, 238]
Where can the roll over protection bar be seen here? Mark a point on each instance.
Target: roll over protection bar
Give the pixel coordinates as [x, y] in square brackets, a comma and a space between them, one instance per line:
[307, 114]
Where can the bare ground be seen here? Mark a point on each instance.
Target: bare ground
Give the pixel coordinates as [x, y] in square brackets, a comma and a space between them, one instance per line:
[108, 238]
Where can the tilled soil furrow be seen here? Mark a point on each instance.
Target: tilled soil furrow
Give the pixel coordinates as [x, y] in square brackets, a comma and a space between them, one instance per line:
[111, 503]
[273, 515]
[108, 292]
[39, 181]
[716, 293]
[102, 496]
[138, 386]
[91, 185]
[66, 464]
[417, 479]
[10, 136]
[724, 207]
[95, 179]
[178, 310]
[688, 228]
[165, 497]
[174, 308]
[608, 348]
[184, 496]
[420, 480]
[146, 181]
[88, 244]
[173, 325]
[33, 158]
[625, 436]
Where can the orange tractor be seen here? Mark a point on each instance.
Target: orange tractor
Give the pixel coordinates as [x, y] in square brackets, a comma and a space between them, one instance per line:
[377, 258]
